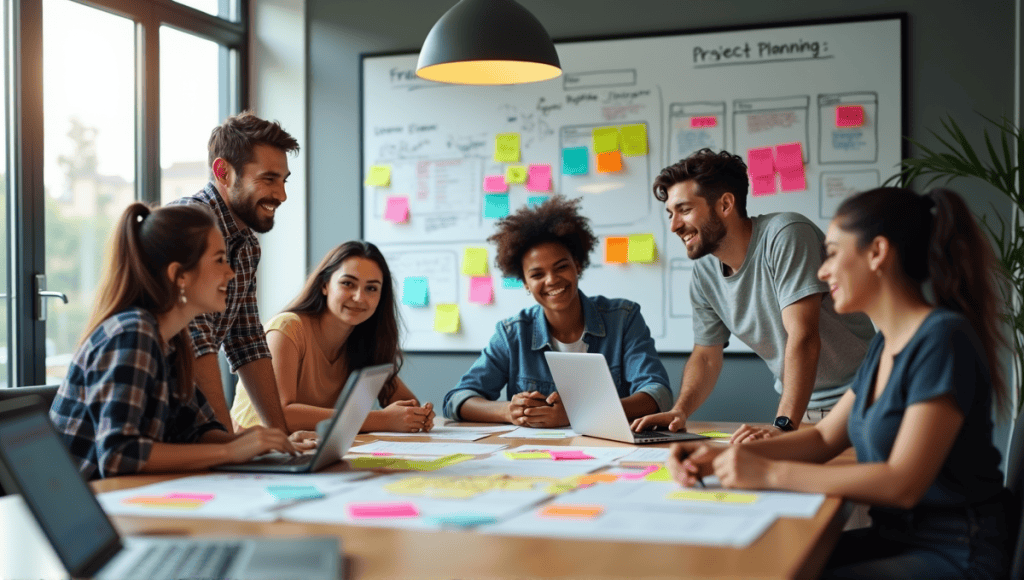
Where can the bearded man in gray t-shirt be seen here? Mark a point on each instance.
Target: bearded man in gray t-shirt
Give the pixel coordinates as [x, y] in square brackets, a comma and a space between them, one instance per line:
[755, 278]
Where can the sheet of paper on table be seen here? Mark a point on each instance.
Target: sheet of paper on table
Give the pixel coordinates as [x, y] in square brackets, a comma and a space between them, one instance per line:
[426, 448]
[532, 433]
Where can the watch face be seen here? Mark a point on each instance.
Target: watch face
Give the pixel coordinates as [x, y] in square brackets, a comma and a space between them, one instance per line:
[784, 423]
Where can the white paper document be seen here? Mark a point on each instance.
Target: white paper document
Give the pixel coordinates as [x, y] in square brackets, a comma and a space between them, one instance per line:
[651, 454]
[442, 432]
[425, 448]
[531, 433]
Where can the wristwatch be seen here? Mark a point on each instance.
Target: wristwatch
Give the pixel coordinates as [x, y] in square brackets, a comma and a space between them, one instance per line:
[783, 423]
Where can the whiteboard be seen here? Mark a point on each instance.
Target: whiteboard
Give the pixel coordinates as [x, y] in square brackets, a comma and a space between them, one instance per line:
[764, 87]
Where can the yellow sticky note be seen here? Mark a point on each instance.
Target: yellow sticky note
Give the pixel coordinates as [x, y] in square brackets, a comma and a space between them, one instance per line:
[572, 511]
[714, 496]
[715, 434]
[528, 455]
[446, 318]
[506, 148]
[634, 140]
[661, 475]
[641, 248]
[515, 174]
[379, 176]
[606, 139]
[474, 262]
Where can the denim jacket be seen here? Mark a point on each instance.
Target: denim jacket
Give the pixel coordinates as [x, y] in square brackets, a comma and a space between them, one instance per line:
[514, 357]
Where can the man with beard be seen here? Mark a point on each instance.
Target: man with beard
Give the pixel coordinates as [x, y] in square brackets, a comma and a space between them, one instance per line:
[248, 156]
[756, 278]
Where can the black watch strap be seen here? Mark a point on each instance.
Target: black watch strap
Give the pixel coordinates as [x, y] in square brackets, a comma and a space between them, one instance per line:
[784, 424]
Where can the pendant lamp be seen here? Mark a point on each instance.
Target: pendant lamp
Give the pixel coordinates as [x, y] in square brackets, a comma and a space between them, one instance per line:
[488, 42]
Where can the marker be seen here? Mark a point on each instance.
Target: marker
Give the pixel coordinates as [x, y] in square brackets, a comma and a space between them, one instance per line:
[700, 480]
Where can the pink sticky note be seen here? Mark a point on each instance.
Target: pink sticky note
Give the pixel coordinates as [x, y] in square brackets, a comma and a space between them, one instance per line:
[538, 178]
[760, 162]
[195, 496]
[381, 454]
[382, 510]
[703, 122]
[763, 185]
[397, 210]
[641, 474]
[495, 184]
[793, 179]
[789, 156]
[849, 116]
[481, 290]
[564, 455]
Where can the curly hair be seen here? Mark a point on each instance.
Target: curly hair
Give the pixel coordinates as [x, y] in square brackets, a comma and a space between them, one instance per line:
[714, 173]
[556, 220]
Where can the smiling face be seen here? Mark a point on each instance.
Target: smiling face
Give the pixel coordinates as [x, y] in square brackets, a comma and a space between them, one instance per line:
[255, 195]
[551, 276]
[695, 222]
[353, 291]
[847, 271]
[206, 286]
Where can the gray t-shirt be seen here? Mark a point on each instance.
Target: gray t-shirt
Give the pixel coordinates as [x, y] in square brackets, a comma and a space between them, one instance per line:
[780, 268]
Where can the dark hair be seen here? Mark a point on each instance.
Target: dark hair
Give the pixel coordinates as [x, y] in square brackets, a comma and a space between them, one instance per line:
[714, 174]
[556, 220]
[936, 239]
[373, 342]
[235, 139]
[143, 244]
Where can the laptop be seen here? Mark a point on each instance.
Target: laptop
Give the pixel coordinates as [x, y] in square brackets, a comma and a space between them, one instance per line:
[335, 434]
[35, 464]
[585, 385]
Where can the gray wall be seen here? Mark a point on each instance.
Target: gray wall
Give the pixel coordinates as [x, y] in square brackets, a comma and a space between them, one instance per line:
[961, 60]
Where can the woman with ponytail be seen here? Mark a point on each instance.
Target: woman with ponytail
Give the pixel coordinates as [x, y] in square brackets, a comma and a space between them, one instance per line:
[128, 403]
[919, 413]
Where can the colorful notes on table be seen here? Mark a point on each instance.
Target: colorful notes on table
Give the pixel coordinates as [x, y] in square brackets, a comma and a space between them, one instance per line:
[849, 116]
[397, 210]
[515, 174]
[415, 291]
[366, 510]
[462, 519]
[716, 434]
[171, 501]
[572, 511]
[527, 455]
[641, 474]
[506, 148]
[388, 462]
[569, 455]
[762, 171]
[606, 139]
[609, 162]
[557, 455]
[641, 248]
[634, 140]
[294, 492]
[495, 184]
[474, 262]
[661, 474]
[379, 176]
[789, 158]
[481, 290]
[538, 178]
[575, 161]
[496, 205]
[713, 496]
[703, 122]
[446, 318]
[616, 250]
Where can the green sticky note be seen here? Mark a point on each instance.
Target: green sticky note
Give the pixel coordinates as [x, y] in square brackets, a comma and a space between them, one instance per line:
[462, 519]
[606, 139]
[515, 174]
[474, 262]
[641, 248]
[294, 492]
[528, 455]
[575, 161]
[379, 176]
[506, 148]
[415, 291]
[716, 434]
[634, 139]
[446, 318]
[661, 475]
[495, 205]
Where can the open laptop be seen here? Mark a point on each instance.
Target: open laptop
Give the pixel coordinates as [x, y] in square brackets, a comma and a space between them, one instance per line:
[354, 404]
[585, 385]
[35, 464]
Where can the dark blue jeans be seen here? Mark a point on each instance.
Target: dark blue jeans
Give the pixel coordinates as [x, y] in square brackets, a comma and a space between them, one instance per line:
[927, 542]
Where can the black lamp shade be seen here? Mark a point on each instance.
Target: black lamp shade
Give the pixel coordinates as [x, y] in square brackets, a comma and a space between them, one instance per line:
[488, 42]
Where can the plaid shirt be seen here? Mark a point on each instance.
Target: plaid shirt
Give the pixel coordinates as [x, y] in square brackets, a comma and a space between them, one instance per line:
[238, 329]
[121, 395]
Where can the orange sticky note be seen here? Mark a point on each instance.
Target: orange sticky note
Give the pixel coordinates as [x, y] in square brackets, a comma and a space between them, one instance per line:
[592, 478]
[572, 511]
[616, 250]
[608, 162]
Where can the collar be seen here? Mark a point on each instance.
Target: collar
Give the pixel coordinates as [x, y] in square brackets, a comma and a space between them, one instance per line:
[593, 324]
[226, 221]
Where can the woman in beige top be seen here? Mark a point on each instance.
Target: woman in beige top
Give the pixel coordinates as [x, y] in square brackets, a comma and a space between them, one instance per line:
[345, 318]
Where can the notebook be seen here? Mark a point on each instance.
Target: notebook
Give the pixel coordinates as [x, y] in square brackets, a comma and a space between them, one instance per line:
[35, 464]
[585, 385]
[354, 404]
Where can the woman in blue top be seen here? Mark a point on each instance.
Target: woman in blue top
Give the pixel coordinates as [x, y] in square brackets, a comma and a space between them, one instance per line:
[548, 247]
[919, 411]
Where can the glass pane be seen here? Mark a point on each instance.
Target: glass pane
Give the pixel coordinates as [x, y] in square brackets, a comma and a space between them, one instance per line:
[4, 327]
[227, 9]
[189, 110]
[89, 165]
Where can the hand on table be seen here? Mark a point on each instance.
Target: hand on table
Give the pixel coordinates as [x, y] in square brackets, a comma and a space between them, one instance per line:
[672, 420]
[747, 433]
[303, 440]
[520, 402]
[551, 415]
[689, 461]
[408, 417]
[257, 440]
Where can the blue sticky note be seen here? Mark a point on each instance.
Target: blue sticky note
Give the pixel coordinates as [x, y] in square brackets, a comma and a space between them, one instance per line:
[575, 161]
[294, 492]
[495, 205]
[511, 283]
[462, 519]
[535, 200]
[415, 291]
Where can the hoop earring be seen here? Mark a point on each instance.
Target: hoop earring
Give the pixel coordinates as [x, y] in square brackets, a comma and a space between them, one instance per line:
[181, 296]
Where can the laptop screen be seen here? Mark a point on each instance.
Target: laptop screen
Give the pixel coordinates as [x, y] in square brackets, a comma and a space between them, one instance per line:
[43, 473]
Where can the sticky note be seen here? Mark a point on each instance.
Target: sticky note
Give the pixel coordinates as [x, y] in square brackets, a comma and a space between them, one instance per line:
[716, 434]
[640, 474]
[763, 185]
[535, 200]
[703, 122]
[397, 209]
[592, 478]
[511, 283]
[515, 174]
[568, 455]
[640, 248]
[575, 161]
[661, 474]
[495, 183]
[634, 140]
[793, 179]
[164, 502]
[294, 492]
[382, 510]
[462, 519]
[506, 148]
[379, 176]
[538, 178]
[609, 162]
[572, 511]
[446, 318]
[381, 454]
[616, 250]
[849, 116]
[495, 205]
[192, 496]
[760, 161]
[415, 291]
[714, 496]
[789, 156]
[474, 262]
[527, 455]
[606, 139]
[481, 290]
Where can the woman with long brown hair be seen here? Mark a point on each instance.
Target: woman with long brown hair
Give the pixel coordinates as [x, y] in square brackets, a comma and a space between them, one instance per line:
[345, 318]
[128, 403]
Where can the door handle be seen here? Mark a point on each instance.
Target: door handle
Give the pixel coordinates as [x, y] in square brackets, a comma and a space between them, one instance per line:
[41, 293]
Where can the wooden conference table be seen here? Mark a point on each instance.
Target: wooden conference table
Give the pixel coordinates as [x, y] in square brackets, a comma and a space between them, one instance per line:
[791, 548]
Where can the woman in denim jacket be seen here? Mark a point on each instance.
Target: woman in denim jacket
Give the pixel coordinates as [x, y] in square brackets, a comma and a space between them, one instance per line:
[548, 247]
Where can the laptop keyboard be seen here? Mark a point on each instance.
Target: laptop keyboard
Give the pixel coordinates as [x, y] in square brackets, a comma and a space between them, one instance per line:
[192, 561]
[277, 458]
[650, 436]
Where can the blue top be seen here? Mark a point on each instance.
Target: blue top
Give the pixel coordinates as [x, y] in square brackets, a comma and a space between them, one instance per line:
[515, 355]
[943, 357]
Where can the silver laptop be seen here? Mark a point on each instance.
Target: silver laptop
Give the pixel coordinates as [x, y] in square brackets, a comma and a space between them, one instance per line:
[585, 385]
[35, 464]
[354, 404]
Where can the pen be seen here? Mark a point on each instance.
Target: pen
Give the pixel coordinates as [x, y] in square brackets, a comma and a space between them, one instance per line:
[700, 480]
